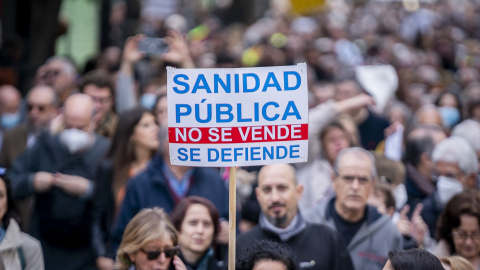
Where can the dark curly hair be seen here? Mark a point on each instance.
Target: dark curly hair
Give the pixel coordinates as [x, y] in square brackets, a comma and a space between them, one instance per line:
[266, 250]
[414, 259]
[467, 202]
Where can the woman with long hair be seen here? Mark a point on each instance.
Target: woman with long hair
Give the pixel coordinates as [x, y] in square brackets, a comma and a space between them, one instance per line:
[133, 145]
[18, 250]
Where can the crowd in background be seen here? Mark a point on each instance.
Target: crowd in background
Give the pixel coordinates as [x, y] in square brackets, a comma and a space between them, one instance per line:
[86, 148]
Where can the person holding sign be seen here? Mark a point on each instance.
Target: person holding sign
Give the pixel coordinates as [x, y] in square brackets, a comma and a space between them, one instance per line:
[164, 185]
[315, 246]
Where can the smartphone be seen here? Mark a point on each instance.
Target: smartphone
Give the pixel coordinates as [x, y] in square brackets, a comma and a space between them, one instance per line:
[153, 46]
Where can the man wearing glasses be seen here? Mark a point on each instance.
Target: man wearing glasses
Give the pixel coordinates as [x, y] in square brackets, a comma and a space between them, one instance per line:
[455, 166]
[41, 103]
[315, 246]
[42, 106]
[368, 234]
[99, 86]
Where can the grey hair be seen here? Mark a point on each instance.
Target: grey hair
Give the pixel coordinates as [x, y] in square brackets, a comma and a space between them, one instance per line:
[469, 130]
[357, 151]
[456, 150]
[68, 65]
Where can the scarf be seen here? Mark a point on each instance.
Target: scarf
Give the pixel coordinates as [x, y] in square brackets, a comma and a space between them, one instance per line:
[297, 225]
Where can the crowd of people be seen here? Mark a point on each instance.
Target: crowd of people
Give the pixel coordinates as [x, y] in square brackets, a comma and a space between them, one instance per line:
[88, 182]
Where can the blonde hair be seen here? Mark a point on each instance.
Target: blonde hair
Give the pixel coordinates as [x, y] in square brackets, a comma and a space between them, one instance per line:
[457, 263]
[149, 224]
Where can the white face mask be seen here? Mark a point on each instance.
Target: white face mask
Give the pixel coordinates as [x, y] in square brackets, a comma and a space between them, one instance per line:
[75, 140]
[447, 188]
[400, 194]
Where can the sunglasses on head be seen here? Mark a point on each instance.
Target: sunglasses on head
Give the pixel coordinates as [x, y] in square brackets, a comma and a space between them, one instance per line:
[169, 253]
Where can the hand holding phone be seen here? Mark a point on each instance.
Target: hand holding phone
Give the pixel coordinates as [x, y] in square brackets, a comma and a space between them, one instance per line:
[153, 46]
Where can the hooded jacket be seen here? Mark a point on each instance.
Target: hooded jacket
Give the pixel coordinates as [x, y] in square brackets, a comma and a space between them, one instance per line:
[370, 245]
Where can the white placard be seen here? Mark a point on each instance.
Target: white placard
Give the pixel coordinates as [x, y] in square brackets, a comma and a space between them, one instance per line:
[380, 81]
[238, 117]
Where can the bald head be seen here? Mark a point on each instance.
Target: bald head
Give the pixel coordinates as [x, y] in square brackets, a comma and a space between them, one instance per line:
[42, 106]
[43, 93]
[10, 99]
[78, 112]
[277, 170]
[278, 193]
[429, 114]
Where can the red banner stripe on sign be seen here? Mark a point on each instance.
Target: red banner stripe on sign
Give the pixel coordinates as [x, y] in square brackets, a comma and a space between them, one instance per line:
[226, 135]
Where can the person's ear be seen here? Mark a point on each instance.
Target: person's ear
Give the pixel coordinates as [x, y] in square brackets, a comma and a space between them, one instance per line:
[131, 257]
[299, 191]
[425, 159]
[390, 211]
[471, 181]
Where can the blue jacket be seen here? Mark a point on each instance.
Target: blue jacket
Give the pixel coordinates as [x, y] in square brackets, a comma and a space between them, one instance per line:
[150, 188]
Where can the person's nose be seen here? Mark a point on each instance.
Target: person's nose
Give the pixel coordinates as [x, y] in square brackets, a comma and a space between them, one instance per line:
[468, 240]
[275, 195]
[199, 228]
[355, 184]
[162, 258]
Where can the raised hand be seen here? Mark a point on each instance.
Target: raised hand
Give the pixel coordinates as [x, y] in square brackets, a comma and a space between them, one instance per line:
[131, 54]
[178, 51]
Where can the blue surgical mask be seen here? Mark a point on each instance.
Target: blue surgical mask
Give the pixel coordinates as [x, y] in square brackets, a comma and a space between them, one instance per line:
[450, 116]
[10, 120]
[148, 100]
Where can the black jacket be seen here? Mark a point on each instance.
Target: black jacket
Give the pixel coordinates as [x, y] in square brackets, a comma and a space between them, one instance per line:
[60, 221]
[315, 247]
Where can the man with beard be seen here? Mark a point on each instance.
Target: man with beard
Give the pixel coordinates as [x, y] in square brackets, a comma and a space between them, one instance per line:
[315, 246]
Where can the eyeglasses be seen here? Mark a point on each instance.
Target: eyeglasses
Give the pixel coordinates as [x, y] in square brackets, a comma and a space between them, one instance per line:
[50, 73]
[169, 253]
[462, 235]
[350, 178]
[40, 108]
[437, 175]
[385, 180]
[103, 100]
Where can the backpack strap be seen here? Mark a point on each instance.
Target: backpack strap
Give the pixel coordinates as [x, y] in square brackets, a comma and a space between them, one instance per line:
[21, 256]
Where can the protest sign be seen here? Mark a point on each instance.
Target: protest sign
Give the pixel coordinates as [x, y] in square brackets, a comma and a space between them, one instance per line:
[238, 117]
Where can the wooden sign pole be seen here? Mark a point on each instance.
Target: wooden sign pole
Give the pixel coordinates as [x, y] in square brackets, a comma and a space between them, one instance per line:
[232, 217]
